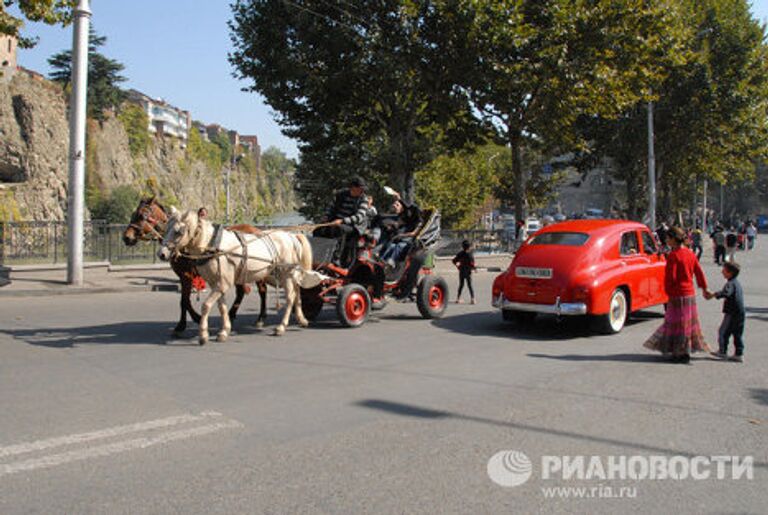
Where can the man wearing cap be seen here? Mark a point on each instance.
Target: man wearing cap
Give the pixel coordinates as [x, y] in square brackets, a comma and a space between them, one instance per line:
[349, 218]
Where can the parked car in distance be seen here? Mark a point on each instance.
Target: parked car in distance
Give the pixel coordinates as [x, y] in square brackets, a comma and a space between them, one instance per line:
[532, 225]
[602, 268]
[593, 213]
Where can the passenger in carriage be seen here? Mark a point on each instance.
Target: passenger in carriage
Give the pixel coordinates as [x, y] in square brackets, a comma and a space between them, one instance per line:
[348, 216]
[402, 230]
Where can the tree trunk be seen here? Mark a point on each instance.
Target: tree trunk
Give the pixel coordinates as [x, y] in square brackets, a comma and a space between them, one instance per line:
[518, 177]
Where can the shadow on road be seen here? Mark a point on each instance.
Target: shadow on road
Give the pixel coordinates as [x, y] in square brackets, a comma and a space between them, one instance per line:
[143, 333]
[760, 395]
[754, 314]
[626, 358]
[543, 328]
[410, 410]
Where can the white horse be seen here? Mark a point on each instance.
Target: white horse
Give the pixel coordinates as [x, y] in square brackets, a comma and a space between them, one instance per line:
[225, 258]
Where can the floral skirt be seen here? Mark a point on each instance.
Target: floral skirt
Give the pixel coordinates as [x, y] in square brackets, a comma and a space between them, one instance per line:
[680, 333]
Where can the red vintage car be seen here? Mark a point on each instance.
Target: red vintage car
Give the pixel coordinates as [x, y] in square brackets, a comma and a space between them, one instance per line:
[603, 268]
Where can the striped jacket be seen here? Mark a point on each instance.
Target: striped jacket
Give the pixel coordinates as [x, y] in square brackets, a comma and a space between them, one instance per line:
[352, 210]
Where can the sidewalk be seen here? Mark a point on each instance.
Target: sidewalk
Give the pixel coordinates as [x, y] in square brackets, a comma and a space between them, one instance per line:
[31, 281]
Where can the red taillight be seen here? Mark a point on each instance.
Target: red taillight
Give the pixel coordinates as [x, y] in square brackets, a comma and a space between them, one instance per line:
[580, 294]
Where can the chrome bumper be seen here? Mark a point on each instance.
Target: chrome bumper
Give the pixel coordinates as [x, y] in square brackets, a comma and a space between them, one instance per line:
[558, 308]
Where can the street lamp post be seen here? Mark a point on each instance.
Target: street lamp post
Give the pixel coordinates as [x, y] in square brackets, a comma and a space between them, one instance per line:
[651, 170]
[78, 102]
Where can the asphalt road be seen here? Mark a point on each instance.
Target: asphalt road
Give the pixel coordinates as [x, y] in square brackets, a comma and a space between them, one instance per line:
[103, 413]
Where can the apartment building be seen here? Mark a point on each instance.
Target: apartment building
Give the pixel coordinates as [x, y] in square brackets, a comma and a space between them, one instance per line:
[164, 119]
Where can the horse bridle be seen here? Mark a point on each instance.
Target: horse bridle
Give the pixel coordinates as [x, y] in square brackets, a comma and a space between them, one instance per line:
[144, 216]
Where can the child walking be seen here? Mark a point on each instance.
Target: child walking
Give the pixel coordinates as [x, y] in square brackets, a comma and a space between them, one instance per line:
[733, 313]
[465, 262]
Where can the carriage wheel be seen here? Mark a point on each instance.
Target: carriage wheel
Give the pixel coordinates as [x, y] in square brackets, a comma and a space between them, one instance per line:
[353, 305]
[432, 296]
[311, 303]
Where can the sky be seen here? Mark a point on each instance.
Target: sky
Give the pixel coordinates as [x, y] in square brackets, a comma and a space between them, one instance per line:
[177, 50]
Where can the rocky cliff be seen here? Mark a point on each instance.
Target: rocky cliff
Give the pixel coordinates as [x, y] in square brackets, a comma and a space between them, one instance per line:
[34, 140]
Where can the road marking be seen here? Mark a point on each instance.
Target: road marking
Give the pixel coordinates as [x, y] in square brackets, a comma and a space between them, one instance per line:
[114, 448]
[50, 443]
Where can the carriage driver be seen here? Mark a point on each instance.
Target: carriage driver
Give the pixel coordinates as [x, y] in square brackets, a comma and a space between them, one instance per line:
[349, 218]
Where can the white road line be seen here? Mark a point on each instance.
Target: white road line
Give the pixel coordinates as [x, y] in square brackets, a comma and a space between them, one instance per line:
[39, 445]
[113, 448]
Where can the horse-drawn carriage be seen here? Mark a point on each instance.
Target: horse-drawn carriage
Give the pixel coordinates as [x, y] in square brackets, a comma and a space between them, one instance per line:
[369, 283]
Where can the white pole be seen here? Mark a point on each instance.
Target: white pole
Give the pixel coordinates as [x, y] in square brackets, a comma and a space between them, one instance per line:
[704, 208]
[77, 109]
[651, 170]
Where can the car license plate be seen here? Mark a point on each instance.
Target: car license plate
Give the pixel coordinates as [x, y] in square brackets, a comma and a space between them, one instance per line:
[533, 273]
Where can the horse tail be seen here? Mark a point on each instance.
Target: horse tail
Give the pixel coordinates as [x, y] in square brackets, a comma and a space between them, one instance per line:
[306, 252]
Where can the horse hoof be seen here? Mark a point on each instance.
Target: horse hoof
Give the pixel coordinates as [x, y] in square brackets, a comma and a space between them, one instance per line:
[202, 341]
[259, 324]
[304, 323]
[221, 337]
[279, 331]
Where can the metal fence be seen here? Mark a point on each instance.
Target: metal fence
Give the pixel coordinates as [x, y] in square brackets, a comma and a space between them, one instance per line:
[27, 243]
[484, 242]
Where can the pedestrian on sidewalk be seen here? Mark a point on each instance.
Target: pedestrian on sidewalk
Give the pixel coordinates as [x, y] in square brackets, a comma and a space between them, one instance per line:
[680, 334]
[731, 241]
[751, 235]
[696, 242]
[734, 313]
[718, 240]
[465, 262]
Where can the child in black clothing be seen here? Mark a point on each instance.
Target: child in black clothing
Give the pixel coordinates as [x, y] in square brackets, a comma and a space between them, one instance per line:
[734, 313]
[465, 262]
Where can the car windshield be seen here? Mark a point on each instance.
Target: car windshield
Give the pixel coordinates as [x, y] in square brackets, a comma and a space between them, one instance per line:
[574, 239]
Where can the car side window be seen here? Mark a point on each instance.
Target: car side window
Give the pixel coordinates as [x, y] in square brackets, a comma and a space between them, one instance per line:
[649, 245]
[629, 245]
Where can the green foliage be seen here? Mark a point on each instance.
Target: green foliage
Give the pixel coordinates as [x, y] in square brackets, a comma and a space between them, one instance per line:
[103, 76]
[136, 123]
[199, 149]
[221, 140]
[9, 208]
[710, 111]
[369, 82]
[118, 206]
[459, 185]
[51, 12]
[539, 65]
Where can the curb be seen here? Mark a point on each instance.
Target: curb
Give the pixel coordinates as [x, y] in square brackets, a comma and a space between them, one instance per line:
[72, 291]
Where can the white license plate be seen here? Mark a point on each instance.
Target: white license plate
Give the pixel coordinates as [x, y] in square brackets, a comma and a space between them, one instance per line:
[533, 273]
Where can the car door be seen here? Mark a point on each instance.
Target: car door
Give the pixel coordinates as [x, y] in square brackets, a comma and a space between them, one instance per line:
[634, 263]
[655, 272]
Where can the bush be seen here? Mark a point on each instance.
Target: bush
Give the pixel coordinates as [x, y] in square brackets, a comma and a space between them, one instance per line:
[136, 123]
[118, 207]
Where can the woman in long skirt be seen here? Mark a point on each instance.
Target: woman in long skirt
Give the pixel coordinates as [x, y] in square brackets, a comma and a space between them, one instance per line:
[680, 334]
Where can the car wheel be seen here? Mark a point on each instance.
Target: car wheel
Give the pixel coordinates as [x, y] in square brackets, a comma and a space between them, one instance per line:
[618, 312]
[432, 296]
[353, 305]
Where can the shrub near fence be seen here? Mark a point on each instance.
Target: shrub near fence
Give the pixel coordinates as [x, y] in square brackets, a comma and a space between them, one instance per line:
[28, 243]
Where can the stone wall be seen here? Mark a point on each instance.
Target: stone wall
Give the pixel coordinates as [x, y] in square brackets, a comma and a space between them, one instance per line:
[34, 140]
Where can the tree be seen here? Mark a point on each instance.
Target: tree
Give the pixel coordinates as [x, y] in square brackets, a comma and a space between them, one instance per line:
[51, 12]
[103, 76]
[460, 185]
[710, 111]
[368, 82]
[538, 65]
